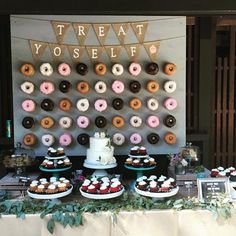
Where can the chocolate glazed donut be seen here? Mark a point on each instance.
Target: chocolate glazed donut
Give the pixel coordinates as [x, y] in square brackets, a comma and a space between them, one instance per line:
[152, 68]
[28, 122]
[153, 138]
[117, 103]
[134, 86]
[47, 104]
[83, 139]
[82, 69]
[169, 121]
[100, 121]
[64, 86]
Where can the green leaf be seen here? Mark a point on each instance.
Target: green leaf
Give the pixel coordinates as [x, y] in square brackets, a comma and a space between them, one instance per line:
[51, 226]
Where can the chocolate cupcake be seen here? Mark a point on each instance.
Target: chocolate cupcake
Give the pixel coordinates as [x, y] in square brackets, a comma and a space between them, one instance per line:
[100, 121]
[152, 68]
[28, 122]
[83, 139]
[117, 103]
[134, 86]
[64, 86]
[82, 69]
[47, 104]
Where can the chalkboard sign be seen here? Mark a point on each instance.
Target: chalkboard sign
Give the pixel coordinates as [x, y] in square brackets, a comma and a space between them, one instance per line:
[212, 187]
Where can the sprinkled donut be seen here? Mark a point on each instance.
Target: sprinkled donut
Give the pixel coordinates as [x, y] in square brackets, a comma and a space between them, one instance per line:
[118, 86]
[170, 104]
[27, 87]
[118, 139]
[152, 104]
[100, 87]
[47, 122]
[82, 69]
[153, 121]
[170, 138]
[170, 86]
[135, 138]
[82, 104]
[47, 104]
[65, 104]
[118, 121]
[83, 139]
[47, 87]
[28, 122]
[27, 69]
[169, 121]
[117, 69]
[135, 69]
[169, 68]
[135, 103]
[65, 139]
[83, 87]
[134, 86]
[152, 86]
[100, 105]
[135, 121]
[100, 69]
[29, 139]
[100, 121]
[152, 68]
[65, 122]
[28, 105]
[153, 138]
[48, 140]
[64, 86]
[46, 69]
[117, 103]
[64, 69]
[83, 122]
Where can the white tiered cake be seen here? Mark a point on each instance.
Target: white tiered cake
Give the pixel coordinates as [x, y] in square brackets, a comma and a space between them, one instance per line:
[100, 151]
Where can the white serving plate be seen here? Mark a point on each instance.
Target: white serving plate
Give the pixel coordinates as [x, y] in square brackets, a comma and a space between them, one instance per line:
[55, 158]
[102, 196]
[97, 166]
[137, 157]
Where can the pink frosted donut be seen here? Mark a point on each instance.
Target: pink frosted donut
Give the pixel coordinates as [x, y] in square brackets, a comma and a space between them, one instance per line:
[134, 69]
[47, 87]
[100, 105]
[65, 139]
[170, 104]
[153, 121]
[83, 122]
[118, 86]
[28, 105]
[135, 138]
[64, 69]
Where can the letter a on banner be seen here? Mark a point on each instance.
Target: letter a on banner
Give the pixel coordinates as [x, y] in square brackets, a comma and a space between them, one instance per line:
[57, 51]
[121, 30]
[81, 31]
[133, 50]
[94, 52]
[152, 49]
[101, 31]
[37, 49]
[76, 52]
[140, 29]
[60, 29]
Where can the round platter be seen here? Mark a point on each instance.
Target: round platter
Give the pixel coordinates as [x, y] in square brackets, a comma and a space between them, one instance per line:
[140, 168]
[99, 167]
[50, 196]
[102, 196]
[55, 158]
[54, 170]
[157, 195]
[137, 157]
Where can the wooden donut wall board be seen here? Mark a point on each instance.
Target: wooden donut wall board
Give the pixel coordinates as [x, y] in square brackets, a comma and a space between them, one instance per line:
[170, 30]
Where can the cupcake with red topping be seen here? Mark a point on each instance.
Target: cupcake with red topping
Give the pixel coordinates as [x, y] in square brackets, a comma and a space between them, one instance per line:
[214, 172]
[104, 189]
[136, 163]
[142, 151]
[153, 187]
[91, 189]
[114, 187]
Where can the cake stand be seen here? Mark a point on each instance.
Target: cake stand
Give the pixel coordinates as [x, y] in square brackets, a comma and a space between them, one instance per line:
[55, 172]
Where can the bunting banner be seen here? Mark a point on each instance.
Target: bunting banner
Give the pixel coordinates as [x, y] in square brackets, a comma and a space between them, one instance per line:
[113, 52]
[60, 30]
[140, 30]
[133, 51]
[76, 52]
[81, 31]
[121, 30]
[101, 31]
[57, 51]
[94, 52]
[152, 49]
[37, 49]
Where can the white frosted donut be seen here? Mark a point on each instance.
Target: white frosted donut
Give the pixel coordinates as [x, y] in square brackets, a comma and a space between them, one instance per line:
[100, 87]
[46, 69]
[117, 69]
[118, 139]
[65, 122]
[48, 140]
[27, 87]
[152, 104]
[170, 86]
[82, 104]
[135, 121]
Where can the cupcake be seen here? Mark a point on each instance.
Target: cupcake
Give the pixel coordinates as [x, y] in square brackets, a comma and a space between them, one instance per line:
[165, 187]
[44, 163]
[152, 161]
[160, 181]
[60, 151]
[52, 179]
[42, 180]
[61, 187]
[87, 181]
[220, 168]
[35, 182]
[53, 153]
[146, 163]
[114, 180]
[231, 169]
[67, 162]
[142, 185]
[172, 182]
[128, 161]
[153, 187]
[144, 177]
[114, 187]
[105, 179]
[60, 164]
[96, 184]
[139, 179]
[104, 189]
[49, 164]
[134, 151]
[214, 172]
[66, 182]
[91, 189]
[57, 183]
[232, 177]
[33, 187]
[222, 174]
[152, 177]
[51, 189]
[136, 163]
[227, 172]
[142, 151]
[62, 179]
[105, 184]
[45, 183]
[85, 186]
[40, 189]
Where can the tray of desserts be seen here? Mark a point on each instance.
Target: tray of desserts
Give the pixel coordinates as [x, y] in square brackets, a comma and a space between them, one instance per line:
[156, 187]
[140, 163]
[221, 172]
[56, 164]
[55, 154]
[102, 188]
[138, 152]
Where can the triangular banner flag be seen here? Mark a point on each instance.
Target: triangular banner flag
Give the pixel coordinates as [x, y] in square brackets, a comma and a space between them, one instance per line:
[57, 51]
[37, 49]
[81, 31]
[140, 29]
[113, 52]
[76, 52]
[121, 30]
[60, 29]
[133, 50]
[152, 49]
[94, 52]
[101, 31]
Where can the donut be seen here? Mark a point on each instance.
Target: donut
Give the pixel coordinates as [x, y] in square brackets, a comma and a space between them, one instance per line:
[135, 121]
[27, 87]
[64, 69]
[65, 122]
[153, 138]
[169, 121]
[134, 69]
[47, 87]
[28, 122]
[135, 103]
[152, 86]
[65, 139]
[117, 69]
[169, 68]
[117, 103]
[83, 139]
[118, 86]
[83, 87]
[47, 104]
[118, 139]
[29, 139]
[152, 68]
[135, 138]
[100, 121]
[83, 122]
[100, 69]
[100, 87]
[65, 104]
[100, 105]
[28, 105]
[47, 122]
[82, 104]
[64, 86]
[134, 86]
[152, 104]
[46, 69]
[82, 69]
[170, 104]
[170, 138]
[153, 121]
[118, 121]
[27, 69]
[48, 140]
[170, 86]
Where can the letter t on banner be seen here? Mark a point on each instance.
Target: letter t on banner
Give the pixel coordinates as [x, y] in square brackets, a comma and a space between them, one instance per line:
[140, 29]
[60, 29]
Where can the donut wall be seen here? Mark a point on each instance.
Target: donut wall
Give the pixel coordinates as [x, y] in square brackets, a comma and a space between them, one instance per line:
[137, 97]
